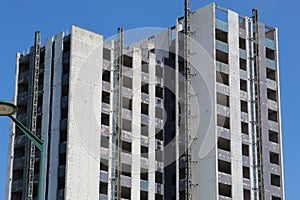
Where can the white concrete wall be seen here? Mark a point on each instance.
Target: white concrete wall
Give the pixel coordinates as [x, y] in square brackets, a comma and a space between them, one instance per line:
[55, 119]
[235, 106]
[11, 138]
[152, 133]
[46, 109]
[136, 125]
[84, 117]
[203, 110]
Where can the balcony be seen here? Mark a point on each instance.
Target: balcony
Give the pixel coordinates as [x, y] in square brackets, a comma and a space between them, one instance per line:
[222, 46]
[221, 25]
[270, 64]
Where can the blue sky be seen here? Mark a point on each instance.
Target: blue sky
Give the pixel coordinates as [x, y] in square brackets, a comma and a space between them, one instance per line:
[19, 20]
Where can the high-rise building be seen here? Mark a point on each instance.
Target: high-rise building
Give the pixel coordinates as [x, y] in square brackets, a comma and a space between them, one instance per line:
[166, 117]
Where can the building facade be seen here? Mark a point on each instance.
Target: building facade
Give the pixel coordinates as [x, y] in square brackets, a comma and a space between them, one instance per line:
[150, 121]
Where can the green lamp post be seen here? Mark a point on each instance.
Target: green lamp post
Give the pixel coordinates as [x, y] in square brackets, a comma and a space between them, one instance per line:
[8, 109]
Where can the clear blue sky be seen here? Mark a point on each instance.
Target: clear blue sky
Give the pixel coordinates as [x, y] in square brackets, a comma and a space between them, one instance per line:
[19, 20]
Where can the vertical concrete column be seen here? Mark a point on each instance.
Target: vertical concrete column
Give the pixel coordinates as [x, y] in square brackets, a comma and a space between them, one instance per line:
[136, 125]
[203, 107]
[110, 147]
[151, 149]
[11, 138]
[279, 115]
[46, 109]
[235, 106]
[177, 106]
[55, 119]
[84, 116]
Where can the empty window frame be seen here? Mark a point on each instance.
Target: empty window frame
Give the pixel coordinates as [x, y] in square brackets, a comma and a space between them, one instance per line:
[273, 136]
[223, 99]
[224, 167]
[275, 180]
[222, 78]
[274, 158]
[224, 144]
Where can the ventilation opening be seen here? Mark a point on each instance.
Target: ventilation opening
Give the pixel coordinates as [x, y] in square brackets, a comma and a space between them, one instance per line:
[275, 180]
[274, 158]
[271, 74]
[272, 95]
[273, 136]
[222, 78]
[244, 128]
[243, 85]
[243, 64]
[246, 172]
[224, 190]
[106, 76]
[242, 43]
[223, 121]
[223, 99]
[270, 54]
[222, 56]
[221, 35]
[245, 150]
[224, 167]
[272, 115]
[224, 144]
[244, 106]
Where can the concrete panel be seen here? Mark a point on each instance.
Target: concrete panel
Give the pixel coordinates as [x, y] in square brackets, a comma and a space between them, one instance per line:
[151, 149]
[203, 110]
[45, 130]
[55, 121]
[11, 138]
[84, 116]
[136, 124]
[235, 106]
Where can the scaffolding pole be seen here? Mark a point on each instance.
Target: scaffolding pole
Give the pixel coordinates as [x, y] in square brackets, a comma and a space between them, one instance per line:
[258, 114]
[33, 122]
[117, 118]
[187, 100]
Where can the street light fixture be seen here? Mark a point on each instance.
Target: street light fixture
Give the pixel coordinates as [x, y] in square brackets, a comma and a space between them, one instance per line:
[8, 109]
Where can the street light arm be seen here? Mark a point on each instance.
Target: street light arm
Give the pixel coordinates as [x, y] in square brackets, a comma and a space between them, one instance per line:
[37, 141]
